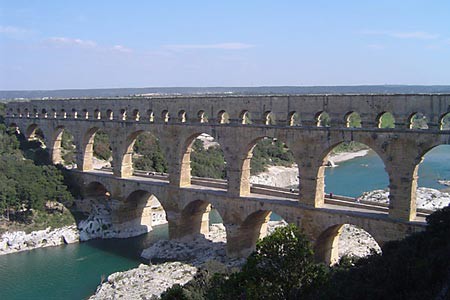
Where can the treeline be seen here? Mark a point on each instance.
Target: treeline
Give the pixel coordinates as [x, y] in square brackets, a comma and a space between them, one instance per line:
[26, 185]
[283, 267]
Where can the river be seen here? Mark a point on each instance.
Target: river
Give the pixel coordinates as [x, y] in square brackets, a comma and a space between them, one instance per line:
[74, 271]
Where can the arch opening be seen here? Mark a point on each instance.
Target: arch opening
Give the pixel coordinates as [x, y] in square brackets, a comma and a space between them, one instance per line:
[272, 164]
[245, 118]
[294, 119]
[203, 157]
[342, 240]
[432, 189]
[323, 119]
[202, 117]
[165, 116]
[96, 150]
[353, 120]
[145, 153]
[136, 115]
[63, 150]
[356, 173]
[269, 118]
[418, 121]
[386, 120]
[223, 117]
[182, 117]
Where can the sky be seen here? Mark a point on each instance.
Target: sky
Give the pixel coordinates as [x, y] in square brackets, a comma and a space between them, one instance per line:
[106, 44]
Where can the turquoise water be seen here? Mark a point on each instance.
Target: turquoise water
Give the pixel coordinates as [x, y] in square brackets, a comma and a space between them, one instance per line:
[353, 177]
[69, 271]
[74, 271]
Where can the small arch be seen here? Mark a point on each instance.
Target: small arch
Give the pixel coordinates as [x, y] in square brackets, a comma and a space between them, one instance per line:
[123, 114]
[223, 117]
[142, 210]
[195, 218]
[150, 116]
[244, 117]
[136, 115]
[54, 113]
[19, 113]
[35, 113]
[74, 113]
[323, 119]
[165, 116]
[182, 116]
[109, 114]
[63, 114]
[352, 120]
[97, 114]
[85, 114]
[269, 118]
[417, 121]
[386, 120]
[202, 117]
[44, 113]
[293, 119]
[27, 113]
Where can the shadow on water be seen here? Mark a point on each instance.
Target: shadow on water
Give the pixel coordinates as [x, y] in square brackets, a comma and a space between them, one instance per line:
[131, 248]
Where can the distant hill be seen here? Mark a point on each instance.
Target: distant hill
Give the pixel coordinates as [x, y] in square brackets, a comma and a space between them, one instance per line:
[120, 92]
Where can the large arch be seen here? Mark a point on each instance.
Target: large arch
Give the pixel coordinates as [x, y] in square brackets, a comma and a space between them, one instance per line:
[372, 159]
[95, 142]
[201, 155]
[270, 152]
[63, 147]
[141, 211]
[143, 152]
[328, 246]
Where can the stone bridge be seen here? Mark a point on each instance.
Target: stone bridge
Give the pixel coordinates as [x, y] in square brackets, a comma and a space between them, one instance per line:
[237, 123]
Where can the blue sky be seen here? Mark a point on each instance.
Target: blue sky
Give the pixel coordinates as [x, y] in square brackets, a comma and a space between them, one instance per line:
[101, 44]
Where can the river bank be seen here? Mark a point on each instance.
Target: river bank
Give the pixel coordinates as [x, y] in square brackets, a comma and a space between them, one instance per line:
[17, 241]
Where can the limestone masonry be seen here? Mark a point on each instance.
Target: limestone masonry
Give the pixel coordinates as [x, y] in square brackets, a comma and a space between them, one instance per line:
[237, 123]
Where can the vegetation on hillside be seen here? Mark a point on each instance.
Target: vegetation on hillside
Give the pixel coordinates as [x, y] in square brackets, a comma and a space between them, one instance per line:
[26, 185]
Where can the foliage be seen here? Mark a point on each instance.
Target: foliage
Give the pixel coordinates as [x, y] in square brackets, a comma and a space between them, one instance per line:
[68, 148]
[207, 162]
[149, 154]
[348, 147]
[417, 267]
[102, 149]
[270, 152]
[387, 121]
[282, 267]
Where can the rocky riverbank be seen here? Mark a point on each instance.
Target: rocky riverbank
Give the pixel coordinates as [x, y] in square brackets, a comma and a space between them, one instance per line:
[12, 242]
[427, 198]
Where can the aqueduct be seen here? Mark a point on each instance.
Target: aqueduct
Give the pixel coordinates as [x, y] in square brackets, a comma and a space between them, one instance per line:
[237, 122]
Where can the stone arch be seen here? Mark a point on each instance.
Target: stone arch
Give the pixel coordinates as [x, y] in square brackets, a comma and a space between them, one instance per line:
[63, 114]
[123, 114]
[19, 113]
[97, 114]
[417, 120]
[136, 115]
[269, 118]
[44, 113]
[74, 113]
[444, 121]
[293, 119]
[109, 114]
[96, 189]
[244, 117]
[132, 148]
[223, 117]
[202, 117]
[325, 161]
[165, 116]
[63, 147]
[85, 114]
[323, 119]
[385, 120]
[85, 162]
[185, 165]
[54, 113]
[141, 211]
[30, 132]
[150, 116]
[326, 246]
[182, 117]
[194, 219]
[27, 113]
[245, 165]
[35, 113]
[352, 120]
